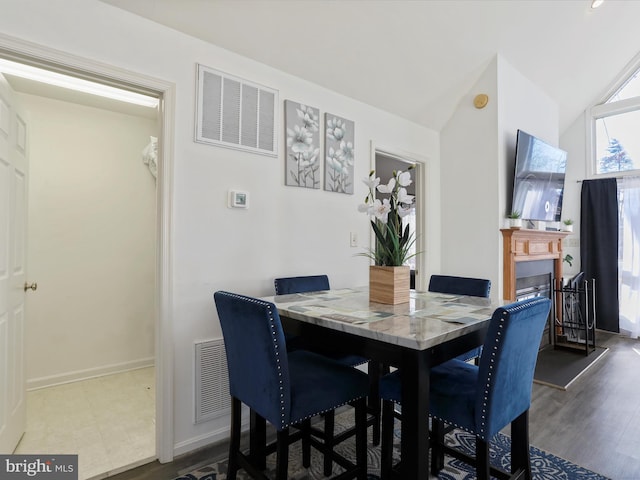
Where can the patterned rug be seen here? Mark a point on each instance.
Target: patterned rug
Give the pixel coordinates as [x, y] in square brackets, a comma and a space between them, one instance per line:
[544, 466]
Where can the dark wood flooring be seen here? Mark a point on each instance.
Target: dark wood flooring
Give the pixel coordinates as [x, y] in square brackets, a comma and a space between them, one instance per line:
[595, 423]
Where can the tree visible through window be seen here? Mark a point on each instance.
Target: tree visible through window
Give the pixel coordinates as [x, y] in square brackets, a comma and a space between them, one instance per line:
[617, 160]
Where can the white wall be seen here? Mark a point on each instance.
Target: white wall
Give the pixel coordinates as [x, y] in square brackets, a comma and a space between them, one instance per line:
[469, 165]
[286, 231]
[478, 155]
[91, 242]
[574, 141]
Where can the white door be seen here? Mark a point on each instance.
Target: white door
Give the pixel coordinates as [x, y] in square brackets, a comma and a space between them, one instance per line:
[13, 229]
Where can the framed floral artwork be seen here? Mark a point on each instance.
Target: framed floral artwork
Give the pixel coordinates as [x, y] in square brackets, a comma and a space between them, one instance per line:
[339, 154]
[302, 161]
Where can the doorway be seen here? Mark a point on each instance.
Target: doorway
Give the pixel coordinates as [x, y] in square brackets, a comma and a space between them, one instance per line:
[385, 163]
[31, 54]
[90, 323]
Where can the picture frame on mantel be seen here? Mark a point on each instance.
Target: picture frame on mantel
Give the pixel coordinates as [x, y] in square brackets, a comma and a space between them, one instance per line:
[339, 154]
[302, 162]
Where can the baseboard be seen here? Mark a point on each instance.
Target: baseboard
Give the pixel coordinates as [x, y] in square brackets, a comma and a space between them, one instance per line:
[69, 377]
[210, 438]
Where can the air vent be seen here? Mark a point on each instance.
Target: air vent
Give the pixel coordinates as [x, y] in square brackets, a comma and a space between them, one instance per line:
[211, 381]
[235, 113]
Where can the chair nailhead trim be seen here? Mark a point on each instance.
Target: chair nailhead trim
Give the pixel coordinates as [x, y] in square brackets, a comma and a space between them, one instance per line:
[272, 325]
[482, 432]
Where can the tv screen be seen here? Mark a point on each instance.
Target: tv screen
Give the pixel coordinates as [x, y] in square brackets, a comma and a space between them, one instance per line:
[539, 179]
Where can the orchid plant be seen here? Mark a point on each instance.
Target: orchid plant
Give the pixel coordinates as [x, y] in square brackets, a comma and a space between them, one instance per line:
[393, 242]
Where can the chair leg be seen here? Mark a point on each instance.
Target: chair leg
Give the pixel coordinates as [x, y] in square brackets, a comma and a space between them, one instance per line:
[482, 460]
[376, 370]
[520, 455]
[386, 453]
[329, 426]
[437, 441]
[306, 443]
[234, 440]
[361, 438]
[257, 440]
[282, 454]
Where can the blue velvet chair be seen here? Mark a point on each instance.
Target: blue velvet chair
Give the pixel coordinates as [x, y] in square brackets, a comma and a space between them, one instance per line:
[481, 399]
[308, 283]
[284, 388]
[312, 283]
[474, 287]
[316, 283]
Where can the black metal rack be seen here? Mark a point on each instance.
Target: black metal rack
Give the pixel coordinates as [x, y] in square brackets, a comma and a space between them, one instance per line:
[575, 325]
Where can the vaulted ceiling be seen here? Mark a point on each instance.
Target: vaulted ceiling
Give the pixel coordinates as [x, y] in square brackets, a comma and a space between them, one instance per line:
[417, 59]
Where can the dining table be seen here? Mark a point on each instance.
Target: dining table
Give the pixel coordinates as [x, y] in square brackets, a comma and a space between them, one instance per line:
[415, 336]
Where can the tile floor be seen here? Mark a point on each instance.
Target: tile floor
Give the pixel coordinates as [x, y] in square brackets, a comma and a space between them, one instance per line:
[108, 421]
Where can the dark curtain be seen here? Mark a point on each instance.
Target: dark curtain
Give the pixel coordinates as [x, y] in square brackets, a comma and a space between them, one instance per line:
[599, 247]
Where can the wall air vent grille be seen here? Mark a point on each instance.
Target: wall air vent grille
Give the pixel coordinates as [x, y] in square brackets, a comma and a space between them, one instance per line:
[235, 113]
[211, 381]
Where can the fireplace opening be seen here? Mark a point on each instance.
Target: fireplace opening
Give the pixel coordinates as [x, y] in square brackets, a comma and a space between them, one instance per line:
[534, 279]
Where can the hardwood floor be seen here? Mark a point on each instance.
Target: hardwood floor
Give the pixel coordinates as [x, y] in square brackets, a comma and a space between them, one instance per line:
[595, 423]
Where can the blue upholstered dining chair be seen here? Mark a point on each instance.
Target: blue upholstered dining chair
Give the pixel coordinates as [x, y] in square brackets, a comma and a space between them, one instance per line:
[313, 283]
[284, 388]
[308, 283]
[481, 399]
[316, 283]
[474, 287]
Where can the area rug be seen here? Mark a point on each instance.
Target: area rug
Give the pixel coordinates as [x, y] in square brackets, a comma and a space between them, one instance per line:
[560, 368]
[544, 466]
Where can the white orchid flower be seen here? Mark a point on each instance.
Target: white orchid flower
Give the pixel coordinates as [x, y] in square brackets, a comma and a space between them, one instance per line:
[364, 208]
[381, 209]
[388, 188]
[372, 182]
[403, 197]
[403, 211]
[404, 178]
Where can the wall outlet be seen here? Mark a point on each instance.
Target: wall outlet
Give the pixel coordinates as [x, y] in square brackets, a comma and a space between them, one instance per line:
[572, 242]
[353, 239]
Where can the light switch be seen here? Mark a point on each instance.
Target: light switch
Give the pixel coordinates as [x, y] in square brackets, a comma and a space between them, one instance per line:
[353, 239]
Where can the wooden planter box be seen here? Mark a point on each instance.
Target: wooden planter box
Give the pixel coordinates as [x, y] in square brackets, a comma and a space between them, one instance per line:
[389, 285]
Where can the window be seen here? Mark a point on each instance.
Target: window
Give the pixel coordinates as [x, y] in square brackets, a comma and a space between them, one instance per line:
[614, 127]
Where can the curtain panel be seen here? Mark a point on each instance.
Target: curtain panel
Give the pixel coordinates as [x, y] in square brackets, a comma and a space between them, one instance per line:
[629, 266]
[599, 247]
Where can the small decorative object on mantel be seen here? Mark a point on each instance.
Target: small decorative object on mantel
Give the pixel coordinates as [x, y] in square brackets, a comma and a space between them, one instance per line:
[389, 278]
[514, 219]
[567, 225]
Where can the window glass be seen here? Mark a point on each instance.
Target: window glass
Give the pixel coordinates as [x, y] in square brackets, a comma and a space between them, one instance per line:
[618, 143]
[630, 89]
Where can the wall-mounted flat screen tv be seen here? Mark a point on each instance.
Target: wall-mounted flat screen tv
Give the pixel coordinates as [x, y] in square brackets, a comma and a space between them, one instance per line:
[538, 184]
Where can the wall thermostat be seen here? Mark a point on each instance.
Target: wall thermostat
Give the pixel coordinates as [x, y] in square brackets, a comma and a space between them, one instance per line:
[238, 199]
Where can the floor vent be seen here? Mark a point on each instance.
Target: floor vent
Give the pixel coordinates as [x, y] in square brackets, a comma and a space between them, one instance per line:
[235, 113]
[211, 381]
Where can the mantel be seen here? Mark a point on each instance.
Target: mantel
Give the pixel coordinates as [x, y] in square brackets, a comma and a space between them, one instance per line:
[524, 245]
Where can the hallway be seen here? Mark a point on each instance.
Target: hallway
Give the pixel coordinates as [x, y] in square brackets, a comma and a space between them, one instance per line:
[108, 421]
